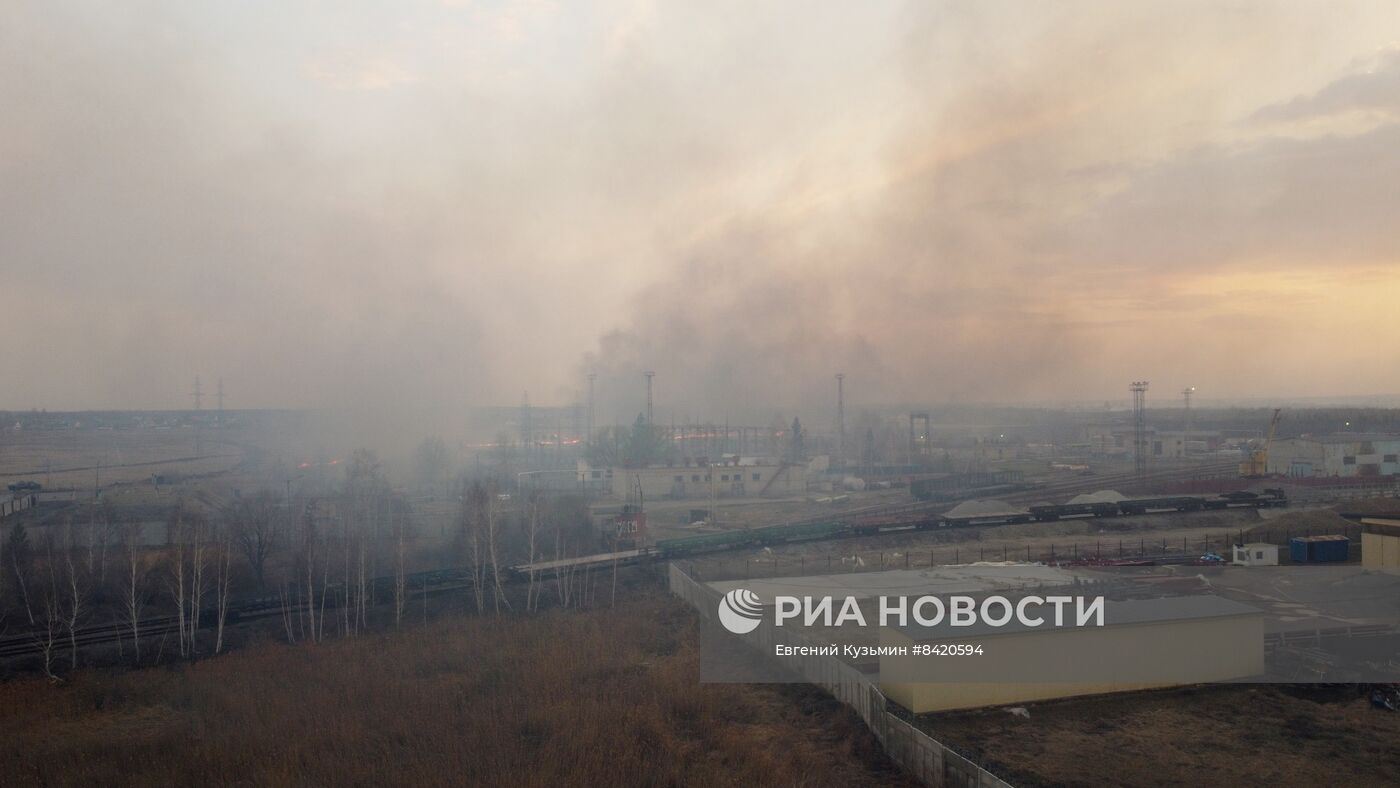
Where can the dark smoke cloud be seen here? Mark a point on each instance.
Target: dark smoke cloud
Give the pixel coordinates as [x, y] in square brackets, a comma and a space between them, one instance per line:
[395, 214]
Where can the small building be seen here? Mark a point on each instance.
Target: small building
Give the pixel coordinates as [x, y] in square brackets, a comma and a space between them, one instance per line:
[1143, 644]
[1319, 549]
[595, 478]
[1380, 542]
[1255, 554]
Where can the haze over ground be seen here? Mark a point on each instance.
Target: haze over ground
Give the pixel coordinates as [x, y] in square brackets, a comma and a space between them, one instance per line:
[417, 206]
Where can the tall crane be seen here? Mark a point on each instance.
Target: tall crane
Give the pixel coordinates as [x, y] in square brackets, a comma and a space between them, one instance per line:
[1258, 463]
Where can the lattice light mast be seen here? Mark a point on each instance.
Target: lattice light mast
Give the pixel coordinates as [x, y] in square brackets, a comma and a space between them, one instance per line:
[841, 417]
[1139, 389]
[650, 411]
[1186, 442]
[592, 378]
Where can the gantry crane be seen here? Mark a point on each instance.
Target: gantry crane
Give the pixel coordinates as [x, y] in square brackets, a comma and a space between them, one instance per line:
[1258, 463]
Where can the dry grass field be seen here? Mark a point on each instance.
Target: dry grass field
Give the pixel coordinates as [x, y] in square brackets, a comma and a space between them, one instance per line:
[127, 456]
[607, 697]
[1217, 735]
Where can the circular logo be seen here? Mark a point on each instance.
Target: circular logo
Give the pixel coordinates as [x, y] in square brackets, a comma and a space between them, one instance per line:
[740, 611]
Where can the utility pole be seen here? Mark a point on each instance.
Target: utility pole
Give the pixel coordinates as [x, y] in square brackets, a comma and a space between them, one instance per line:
[841, 417]
[650, 412]
[1186, 442]
[1139, 389]
[219, 419]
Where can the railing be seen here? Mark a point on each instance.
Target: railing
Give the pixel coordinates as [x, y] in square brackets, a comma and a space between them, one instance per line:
[918, 753]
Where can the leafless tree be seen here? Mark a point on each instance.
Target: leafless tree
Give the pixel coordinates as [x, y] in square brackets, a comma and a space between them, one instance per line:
[21, 561]
[283, 597]
[186, 579]
[400, 575]
[499, 595]
[308, 553]
[199, 555]
[472, 522]
[46, 637]
[257, 530]
[74, 592]
[135, 596]
[532, 528]
[221, 585]
[175, 584]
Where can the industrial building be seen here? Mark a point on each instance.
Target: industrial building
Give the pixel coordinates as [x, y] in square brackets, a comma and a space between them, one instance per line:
[1340, 455]
[1380, 542]
[1144, 644]
[1113, 440]
[732, 477]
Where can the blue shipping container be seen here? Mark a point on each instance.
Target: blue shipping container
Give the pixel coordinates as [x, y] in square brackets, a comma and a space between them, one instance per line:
[1314, 549]
[1298, 550]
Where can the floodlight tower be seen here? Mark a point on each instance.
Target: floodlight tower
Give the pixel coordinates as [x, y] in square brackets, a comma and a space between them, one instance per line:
[527, 428]
[592, 377]
[1139, 389]
[1186, 442]
[841, 417]
[650, 412]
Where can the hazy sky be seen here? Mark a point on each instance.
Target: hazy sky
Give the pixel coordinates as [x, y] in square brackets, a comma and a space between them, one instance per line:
[345, 204]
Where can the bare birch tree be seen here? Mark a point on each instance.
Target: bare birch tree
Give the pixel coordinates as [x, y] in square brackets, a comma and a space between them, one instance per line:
[46, 637]
[135, 595]
[492, 520]
[532, 528]
[400, 575]
[75, 597]
[222, 584]
[473, 520]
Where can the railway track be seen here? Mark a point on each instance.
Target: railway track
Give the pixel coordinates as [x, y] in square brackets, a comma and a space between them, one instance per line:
[32, 641]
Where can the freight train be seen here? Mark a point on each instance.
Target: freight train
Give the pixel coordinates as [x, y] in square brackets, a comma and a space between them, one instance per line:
[864, 525]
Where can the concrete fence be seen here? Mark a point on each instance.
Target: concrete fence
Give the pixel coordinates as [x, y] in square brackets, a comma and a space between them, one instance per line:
[918, 753]
[15, 504]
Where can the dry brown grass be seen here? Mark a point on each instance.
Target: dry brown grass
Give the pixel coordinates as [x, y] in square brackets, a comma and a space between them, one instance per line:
[1220, 735]
[593, 698]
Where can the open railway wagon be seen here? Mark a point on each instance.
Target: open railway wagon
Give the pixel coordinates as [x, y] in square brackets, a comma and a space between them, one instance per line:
[923, 517]
[1171, 503]
[749, 537]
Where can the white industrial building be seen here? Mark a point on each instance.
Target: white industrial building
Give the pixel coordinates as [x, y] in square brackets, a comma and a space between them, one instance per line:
[1255, 554]
[1340, 455]
[732, 477]
[1145, 644]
